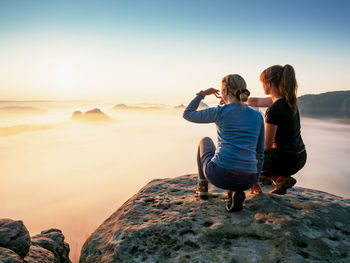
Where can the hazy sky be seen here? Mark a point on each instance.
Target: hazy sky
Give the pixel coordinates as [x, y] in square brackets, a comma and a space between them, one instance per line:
[165, 51]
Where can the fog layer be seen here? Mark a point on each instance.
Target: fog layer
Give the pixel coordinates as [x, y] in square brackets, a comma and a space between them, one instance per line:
[72, 175]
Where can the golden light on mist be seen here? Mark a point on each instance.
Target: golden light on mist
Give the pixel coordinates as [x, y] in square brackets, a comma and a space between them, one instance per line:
[63, 78]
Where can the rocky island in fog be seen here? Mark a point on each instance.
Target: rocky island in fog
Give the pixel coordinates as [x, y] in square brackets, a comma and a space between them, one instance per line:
[91, 115]
[201, 106]
[165, 222]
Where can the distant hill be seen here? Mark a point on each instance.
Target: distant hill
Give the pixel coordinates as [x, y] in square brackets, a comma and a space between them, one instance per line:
[143, 106]
[179, 107]
[335, 104]
[20, 111]
[91, 115]
[202, 105]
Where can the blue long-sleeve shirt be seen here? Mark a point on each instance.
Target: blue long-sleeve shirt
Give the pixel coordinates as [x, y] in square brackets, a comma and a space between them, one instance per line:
[240, 129]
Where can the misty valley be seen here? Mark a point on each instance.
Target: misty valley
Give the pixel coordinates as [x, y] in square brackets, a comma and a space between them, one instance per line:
[69, 165]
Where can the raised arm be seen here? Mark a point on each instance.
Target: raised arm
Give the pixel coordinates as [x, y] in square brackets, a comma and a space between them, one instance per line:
[202, 116]
[260, 102]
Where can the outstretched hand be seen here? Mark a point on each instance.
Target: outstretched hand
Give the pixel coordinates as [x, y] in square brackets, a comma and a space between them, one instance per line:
[256, 189]
[210, 91]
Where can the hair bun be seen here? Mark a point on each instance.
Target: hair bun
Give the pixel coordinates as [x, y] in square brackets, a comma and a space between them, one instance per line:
[243, 97]
[243, 94]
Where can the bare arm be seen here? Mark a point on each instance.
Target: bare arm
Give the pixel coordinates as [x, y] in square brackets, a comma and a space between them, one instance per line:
[270, 133]
[260, 102]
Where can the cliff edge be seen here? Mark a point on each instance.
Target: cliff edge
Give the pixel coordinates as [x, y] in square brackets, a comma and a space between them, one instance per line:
[165, 222]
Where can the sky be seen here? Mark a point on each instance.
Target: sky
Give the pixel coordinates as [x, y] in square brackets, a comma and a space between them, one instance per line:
[166, 51]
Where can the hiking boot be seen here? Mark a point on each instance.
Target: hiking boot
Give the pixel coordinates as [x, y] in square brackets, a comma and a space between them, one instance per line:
[265, 180]
[235, 200]
[202, 189]
[281, 184]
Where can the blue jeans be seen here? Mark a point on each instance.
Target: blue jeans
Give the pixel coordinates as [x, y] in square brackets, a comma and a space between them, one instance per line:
[220, 177]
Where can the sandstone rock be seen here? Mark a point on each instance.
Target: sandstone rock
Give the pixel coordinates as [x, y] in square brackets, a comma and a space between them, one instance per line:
[77, 115]
[95, 114]
[91, 116]
[39, 254]
[53, 240]
[8, 256]
[165, 222]
[180, 107]
[14, 236]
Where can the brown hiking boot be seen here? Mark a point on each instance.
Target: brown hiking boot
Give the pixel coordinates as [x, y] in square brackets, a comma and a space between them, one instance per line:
[281, 184]
[202, 189]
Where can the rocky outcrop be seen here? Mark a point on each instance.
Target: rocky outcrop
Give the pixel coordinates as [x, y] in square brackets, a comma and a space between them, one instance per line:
[40, 254]
[91, 115]
[17, 246]
[77, 115]
[165, 222]
[53, 240]
[8, 256]
[14, 236]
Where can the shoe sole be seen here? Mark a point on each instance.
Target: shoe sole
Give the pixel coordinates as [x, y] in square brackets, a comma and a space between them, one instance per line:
[283, 189]
[237, 203]
[238, 199]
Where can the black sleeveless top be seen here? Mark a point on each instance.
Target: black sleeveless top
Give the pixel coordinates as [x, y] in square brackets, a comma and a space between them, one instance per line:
[288, 136]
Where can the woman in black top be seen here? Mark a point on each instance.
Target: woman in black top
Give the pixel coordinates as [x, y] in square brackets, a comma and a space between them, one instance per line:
[284, 149]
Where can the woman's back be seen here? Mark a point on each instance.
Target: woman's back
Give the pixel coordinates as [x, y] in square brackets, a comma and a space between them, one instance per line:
[240, 138]
[288, 136]
[240, 131]
[236, 162]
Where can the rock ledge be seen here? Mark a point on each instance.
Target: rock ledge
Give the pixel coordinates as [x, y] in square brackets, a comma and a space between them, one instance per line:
[165, 222]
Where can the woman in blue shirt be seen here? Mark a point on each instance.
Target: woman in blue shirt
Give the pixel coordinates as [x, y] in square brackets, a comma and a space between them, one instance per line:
[235, 164]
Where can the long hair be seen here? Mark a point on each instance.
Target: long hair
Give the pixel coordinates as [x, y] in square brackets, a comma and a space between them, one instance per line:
[236, 86]
[284, 79]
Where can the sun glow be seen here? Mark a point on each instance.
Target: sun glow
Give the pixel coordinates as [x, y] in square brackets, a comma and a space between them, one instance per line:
[62, 78]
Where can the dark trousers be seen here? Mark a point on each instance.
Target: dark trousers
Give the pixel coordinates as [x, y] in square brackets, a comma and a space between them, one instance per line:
[220, 177]
[278, 163]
